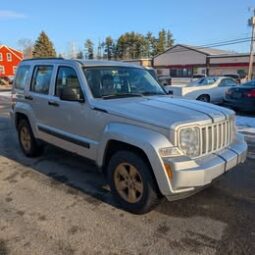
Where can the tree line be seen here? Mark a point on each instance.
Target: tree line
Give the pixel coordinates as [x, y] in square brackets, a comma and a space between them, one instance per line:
[130, 45]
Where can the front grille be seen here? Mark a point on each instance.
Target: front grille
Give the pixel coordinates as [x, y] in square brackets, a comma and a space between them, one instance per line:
[216, 136]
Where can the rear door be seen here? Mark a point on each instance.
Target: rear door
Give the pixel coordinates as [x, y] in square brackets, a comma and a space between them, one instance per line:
[38, 93]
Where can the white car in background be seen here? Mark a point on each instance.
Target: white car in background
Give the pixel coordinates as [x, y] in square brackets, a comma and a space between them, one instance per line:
[207, 89]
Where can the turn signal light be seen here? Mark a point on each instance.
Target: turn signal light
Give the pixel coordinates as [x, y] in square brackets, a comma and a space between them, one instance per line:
[169, 171]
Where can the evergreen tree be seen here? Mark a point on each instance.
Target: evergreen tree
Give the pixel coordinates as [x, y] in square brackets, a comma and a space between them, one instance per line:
[169, 39]
[130, 46]
[79, 55]
[43, 47]
[89, 46]
[150, 45]
[108, 48]
[161, 44]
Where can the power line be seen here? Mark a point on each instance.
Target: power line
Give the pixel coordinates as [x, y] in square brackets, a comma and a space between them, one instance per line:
[205, 46]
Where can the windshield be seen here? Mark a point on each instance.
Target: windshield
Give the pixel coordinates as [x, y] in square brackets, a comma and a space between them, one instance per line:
[108, 82]
[203, 81]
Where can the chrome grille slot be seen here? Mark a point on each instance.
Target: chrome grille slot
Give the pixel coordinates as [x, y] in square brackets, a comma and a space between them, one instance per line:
[216, 136]
[204, 140]
[210, 139]
[220, 136]
[215, 131]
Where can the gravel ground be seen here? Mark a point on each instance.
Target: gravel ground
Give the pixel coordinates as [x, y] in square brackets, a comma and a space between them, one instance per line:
[60, 204]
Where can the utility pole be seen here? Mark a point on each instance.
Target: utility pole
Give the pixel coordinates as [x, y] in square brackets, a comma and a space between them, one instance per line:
[252, 24]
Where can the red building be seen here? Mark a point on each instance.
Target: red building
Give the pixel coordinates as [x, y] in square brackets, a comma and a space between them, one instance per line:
[9, 60]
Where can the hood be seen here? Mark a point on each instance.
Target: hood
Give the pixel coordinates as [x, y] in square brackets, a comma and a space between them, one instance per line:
[164, 111]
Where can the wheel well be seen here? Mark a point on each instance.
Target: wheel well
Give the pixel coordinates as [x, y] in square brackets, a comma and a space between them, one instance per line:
[18, 117]
[204, 95]
[114, 146]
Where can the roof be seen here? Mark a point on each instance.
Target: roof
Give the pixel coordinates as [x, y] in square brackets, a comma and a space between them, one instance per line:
[231, 55]
[17, 53]
[88, 63]
[203, 50]
[208, 51]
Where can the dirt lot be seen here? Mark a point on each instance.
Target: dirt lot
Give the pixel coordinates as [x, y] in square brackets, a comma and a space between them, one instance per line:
[59, 204]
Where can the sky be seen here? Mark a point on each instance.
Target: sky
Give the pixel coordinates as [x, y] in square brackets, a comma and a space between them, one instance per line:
[193, 22]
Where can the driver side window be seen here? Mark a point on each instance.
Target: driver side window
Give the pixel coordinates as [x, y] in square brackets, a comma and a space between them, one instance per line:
[67, 82]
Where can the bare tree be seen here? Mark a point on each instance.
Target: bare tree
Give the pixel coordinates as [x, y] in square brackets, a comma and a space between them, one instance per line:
[27, 46]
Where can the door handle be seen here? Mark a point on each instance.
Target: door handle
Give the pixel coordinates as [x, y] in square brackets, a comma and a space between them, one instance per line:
[29, 97]
[53, 103]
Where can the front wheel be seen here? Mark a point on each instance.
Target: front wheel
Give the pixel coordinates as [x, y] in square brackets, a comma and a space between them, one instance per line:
[204, 98]
[132, 183]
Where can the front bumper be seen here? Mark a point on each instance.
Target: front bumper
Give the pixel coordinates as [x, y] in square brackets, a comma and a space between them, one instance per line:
[190, 175]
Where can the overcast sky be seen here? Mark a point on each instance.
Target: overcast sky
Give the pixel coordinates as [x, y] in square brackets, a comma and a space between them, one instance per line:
[193, 22]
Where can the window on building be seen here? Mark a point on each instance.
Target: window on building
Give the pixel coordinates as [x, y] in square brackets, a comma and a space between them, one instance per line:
[1, 56]
[41, 79]
[9, 57]
[2, 71]
[181, 72]
[21, 77]
[14, 69]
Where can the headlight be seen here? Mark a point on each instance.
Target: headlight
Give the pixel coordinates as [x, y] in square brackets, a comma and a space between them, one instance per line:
[190, 141]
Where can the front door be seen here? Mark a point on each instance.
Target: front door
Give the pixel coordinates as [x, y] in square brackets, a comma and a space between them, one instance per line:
[69, 118]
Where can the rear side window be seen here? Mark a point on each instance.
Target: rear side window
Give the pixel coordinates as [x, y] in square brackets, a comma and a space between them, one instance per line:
[227, 83]
[21, 77]
[41, 79]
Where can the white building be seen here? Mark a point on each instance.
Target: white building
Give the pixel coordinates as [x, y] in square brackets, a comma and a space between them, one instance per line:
[181, 62]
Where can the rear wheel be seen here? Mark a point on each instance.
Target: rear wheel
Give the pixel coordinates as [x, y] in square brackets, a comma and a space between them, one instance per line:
[132, 183]
[204, 98]
[28, 143]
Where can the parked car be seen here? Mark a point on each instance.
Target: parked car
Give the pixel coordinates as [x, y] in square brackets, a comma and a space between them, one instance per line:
[148, 144]
[163, 80]
[241, 97]
[234, 76]
[197, 76]
[207, 89]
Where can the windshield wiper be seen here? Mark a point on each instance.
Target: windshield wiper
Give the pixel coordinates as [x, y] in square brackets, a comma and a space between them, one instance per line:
[153, 93]
[121, 95]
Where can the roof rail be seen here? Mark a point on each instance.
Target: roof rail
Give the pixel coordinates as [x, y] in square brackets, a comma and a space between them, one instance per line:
[29, 59]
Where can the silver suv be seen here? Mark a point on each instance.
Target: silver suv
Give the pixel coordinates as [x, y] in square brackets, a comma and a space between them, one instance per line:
[148, 144]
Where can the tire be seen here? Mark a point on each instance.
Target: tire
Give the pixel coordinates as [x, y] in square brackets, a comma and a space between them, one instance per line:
[204, 98]
[135, 189]
[27, 141]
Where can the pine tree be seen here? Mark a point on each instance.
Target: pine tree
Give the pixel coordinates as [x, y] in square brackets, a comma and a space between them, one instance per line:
[169, 39]
[108, 47]
[79, 55]
[89, 46]
[43, 47]
[161, 44]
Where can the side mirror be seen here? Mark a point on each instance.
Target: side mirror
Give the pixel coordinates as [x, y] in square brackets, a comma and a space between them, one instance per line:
[72, 94]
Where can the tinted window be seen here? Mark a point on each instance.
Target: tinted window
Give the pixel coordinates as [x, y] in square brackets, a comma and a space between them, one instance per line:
[227, 83]
[21, 77]
[41, 79]
[67, 79]
[250, 83]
